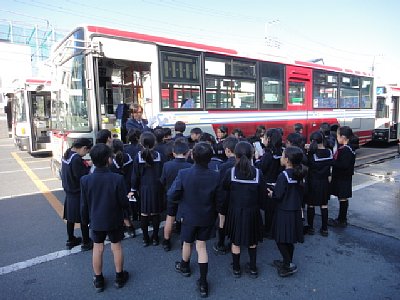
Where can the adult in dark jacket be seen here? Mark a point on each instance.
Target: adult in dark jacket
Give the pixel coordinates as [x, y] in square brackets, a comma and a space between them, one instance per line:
[136, 121]
[72, 169]
[104, 199]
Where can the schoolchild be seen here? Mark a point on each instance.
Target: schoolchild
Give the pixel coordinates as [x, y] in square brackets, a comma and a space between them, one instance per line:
[180, 128]
[342, 174]
[72, 169]
[161, 145]
[197, 192]
[329, 140]
[320, 161]
[104, 199]
[147, 187]
[270, 166]
[296, 139]
[215, 161]
[229, 145]
[287, 227]
[258, 135]
[133, 146]
[298, 128]
[104, 136]
[246, 190]
[238, 133]
[169, 173]
[222, 134]
[195, 134]
[122, 163]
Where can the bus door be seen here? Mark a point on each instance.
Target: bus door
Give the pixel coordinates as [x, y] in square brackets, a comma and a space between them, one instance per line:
[120, 83]
[39, 115]
[299, 98]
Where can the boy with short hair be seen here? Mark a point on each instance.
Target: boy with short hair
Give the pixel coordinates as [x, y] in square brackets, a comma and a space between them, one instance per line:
[199, 196]
[103, 200]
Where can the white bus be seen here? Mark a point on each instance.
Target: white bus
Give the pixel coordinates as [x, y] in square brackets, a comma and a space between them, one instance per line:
[387, 114]
[31, 115]
[99, 68]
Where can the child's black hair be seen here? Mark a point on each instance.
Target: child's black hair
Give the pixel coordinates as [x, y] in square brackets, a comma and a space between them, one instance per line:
[244, 153]
[133, 136]
[180, 146]
[346, 131]
[298, 127]
[206, 137]
[118, 150]
[295, 139]
[159, 134]
[223, 129]
[202, 153]
[100, 155]
[230, 143]
[79, 143]
[325, 128]
[180, 126]
[196, 130]
[147, 140]
[275, 141]
[102, 136]
[239, 132]
[259, 130]
[295, 156]
[167, 132]
[316, 138]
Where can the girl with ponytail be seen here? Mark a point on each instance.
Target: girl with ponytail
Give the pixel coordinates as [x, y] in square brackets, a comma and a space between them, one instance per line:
[146, 184]
[342, 174]
[320, 160]
[287, 227]
[246, 189]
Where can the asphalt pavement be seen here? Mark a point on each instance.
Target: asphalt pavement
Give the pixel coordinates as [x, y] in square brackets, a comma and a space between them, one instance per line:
[361, 261]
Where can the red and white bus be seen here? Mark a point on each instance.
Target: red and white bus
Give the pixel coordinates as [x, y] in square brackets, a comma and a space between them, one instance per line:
[31, 114]
[204, 86]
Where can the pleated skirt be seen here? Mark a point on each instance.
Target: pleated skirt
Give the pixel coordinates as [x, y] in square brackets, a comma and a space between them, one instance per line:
[287, 226]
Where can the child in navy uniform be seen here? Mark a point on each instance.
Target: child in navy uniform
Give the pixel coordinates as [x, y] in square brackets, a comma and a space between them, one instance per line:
[169, 173]
[104, 199]
[319, 170]
[197, 192]
[229, 145]
[146, 182]
[287, 227]
[342, 174]
[246, 191]
[73, 168]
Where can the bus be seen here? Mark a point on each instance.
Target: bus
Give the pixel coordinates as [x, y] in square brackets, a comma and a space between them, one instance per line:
[387, 114]
[99, 68]
[31, 115]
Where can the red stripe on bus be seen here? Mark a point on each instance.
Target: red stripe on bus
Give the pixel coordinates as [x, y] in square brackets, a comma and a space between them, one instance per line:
[157, 39]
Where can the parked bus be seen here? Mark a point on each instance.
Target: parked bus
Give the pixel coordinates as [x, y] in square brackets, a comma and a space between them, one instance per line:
[31, 115]
[204, 86]
[387, 114]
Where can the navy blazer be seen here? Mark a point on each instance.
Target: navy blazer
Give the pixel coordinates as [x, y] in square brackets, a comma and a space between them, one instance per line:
[198, 193]
[103, 200]
[133, 124]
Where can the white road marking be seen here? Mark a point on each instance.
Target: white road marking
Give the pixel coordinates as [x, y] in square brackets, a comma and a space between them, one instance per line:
[365, 184]
[27, 194]
[52, 256]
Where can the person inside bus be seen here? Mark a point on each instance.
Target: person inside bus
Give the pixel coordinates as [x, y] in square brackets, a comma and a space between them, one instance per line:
[136, 120]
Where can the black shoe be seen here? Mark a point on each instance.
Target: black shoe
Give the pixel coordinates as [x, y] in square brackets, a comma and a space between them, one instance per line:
[310, 231]
[337, 223]
[253, 273]
[87, 246]
[323, 232]
[146, 242]
[155, 241]
[73, 243]
[166, 245]
[220, 249]
[236, 273]
[130, 230]
[278, 263]
[98, 284]
[203, 288]
[184, 270]
[120, 281]
[286, 271]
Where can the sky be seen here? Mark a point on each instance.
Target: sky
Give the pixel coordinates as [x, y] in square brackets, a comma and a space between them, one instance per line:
[356, 34]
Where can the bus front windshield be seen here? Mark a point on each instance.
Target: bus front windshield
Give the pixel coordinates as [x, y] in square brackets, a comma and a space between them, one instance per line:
[73, 112]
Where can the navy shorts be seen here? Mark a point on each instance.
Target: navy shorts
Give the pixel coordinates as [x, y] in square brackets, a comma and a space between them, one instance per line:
[189, 233]
[115, 235]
